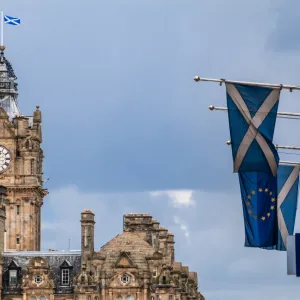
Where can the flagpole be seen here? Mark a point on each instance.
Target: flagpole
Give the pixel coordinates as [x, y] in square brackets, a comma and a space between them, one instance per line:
[275, 86]
[279, 114]
[276, 146]
[2, 30]
[289, 163]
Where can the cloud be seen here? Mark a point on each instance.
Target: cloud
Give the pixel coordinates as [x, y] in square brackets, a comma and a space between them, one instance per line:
[179, 198]
[209, 238]
[183, 227]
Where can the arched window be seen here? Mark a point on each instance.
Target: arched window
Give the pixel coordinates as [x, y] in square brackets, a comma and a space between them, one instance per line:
[129, 297]
[119, 298]
[33, 298]
[42, 298]
[96, 298]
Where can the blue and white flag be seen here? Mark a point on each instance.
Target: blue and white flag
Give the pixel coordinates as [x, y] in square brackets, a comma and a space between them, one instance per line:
[287, 186]
[12, 20]
[259, 199]
[252, 112]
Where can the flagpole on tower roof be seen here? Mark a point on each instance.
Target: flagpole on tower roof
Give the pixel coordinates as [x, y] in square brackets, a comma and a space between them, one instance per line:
[2, 47]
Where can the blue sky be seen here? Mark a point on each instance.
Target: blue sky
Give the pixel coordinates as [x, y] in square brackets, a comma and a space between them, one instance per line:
[126, 129]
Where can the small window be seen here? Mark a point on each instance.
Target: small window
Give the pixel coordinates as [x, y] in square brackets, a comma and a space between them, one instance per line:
[18, 209]
[96, 298]
[164, 280]
[18, 240]
[89, 297]
[125, 278]
[12, 277]
[42, 298]
[119, 298]
[170, 297]
[38, 279]
[33, 298]
[65, 277]
[154, 274]
[129, 297]
[32, 166]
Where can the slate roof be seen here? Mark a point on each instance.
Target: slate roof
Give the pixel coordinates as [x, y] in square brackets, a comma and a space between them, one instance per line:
[55, 260]
[10, 70]
[126, 242]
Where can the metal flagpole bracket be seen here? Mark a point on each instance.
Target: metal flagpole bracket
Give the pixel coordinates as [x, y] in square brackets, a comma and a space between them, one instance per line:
[276, 146]
[284, 115]
[270, 85]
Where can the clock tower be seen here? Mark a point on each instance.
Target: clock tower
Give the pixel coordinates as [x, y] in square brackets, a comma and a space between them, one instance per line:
[21, 159]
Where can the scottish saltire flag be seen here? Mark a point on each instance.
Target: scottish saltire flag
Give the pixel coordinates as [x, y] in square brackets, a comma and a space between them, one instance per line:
[287, 187]
[259, 198]
[12, 20]
[252, 116]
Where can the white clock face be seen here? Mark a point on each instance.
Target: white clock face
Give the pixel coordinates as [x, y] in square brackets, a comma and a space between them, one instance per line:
[4, 158]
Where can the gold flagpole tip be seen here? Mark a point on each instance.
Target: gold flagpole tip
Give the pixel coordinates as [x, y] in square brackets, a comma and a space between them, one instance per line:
[2, 48]
[197, 78]
[228, 143]
[211, 107]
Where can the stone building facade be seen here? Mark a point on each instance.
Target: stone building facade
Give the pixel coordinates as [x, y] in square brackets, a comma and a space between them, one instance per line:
[21, 161]
[137, 264]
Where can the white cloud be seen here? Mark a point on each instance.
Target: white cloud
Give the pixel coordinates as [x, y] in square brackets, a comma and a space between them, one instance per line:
[210, 240]
[183, 227]
[179, 198]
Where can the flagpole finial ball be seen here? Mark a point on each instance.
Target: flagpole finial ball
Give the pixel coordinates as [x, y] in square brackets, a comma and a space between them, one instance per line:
[211, 107]
[228, 143]
[197, 78]
[2, 48]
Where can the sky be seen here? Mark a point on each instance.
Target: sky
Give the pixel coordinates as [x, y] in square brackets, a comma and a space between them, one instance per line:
[126, 129]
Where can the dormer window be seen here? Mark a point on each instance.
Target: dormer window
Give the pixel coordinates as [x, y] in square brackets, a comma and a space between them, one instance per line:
[13, 273]
[65, 275]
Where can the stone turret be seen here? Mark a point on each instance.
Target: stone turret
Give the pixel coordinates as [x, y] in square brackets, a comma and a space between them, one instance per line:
[87, 237]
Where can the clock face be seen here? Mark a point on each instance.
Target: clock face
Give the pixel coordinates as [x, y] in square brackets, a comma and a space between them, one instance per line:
[4, 158]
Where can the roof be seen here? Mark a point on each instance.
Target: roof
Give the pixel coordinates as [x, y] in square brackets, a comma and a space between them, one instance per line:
[129, 242]
[55, 260]
[10, 69]
[42, 253]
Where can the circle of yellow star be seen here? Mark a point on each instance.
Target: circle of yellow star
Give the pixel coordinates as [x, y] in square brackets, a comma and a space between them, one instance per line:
[263, 218]
[255, 217]
[260, 190]
[248, 203]
[250, 211]
[249, 197]
[253, 192]
[266, 190]
[270, 193]
[268, 214]
[273, 199]
[272, 207]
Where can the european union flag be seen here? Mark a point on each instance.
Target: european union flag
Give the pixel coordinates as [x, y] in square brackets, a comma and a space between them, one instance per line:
[259, 198]
[252, 114]
[287, 186]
